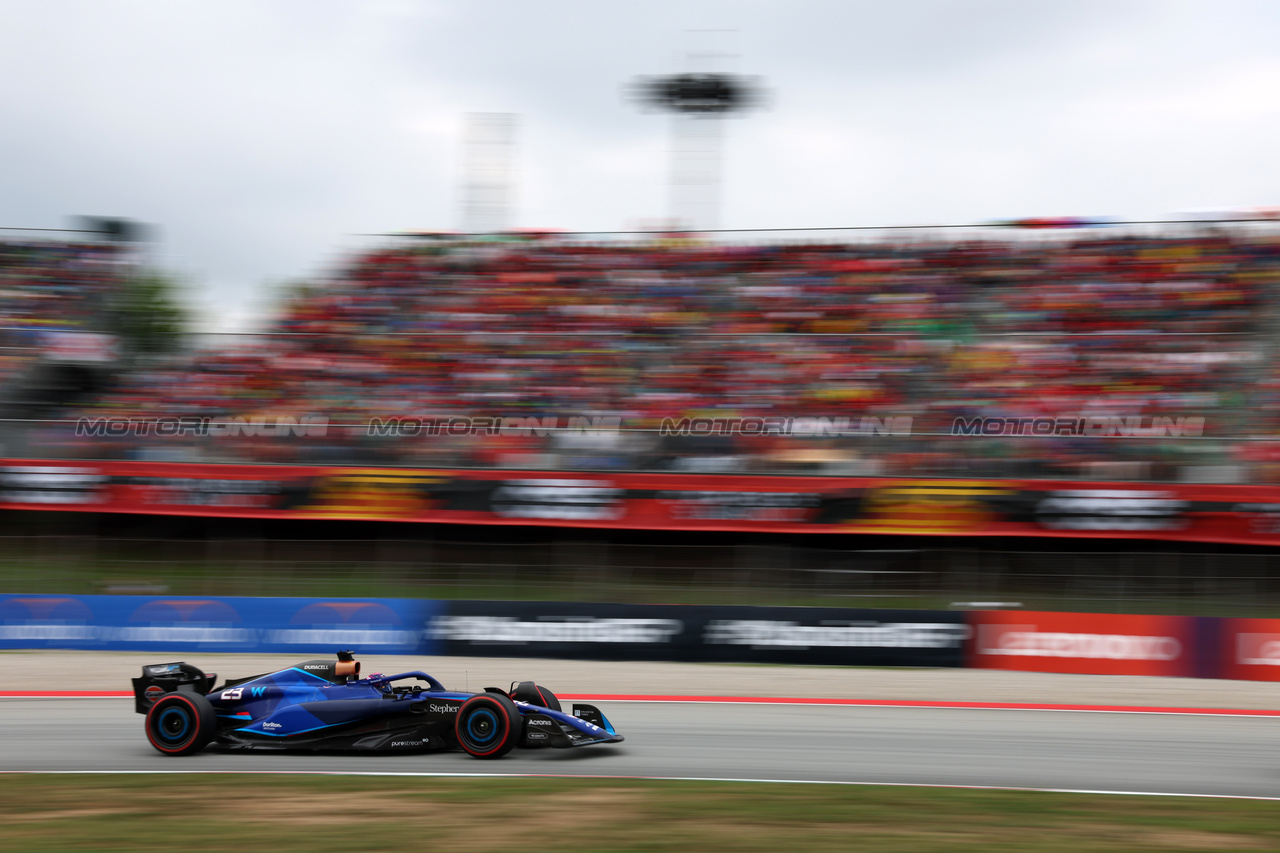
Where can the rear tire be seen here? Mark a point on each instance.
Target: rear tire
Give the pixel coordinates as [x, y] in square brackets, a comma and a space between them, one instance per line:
[181, 723]
[488, 725]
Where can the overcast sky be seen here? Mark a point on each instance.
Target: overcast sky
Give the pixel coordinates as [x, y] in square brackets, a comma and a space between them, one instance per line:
[258, 136]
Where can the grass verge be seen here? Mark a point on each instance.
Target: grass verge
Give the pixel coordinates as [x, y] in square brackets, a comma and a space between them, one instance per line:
[317, 814]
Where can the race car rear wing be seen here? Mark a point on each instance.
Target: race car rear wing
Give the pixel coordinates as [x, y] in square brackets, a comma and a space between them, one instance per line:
[161, 678]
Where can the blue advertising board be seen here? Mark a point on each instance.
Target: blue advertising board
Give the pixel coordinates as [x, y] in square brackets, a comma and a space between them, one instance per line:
[172, 623]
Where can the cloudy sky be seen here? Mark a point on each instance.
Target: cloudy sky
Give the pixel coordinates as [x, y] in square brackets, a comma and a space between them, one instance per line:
[260, 136]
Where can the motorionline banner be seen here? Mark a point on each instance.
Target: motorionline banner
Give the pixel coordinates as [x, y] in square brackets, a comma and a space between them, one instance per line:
[651, 501]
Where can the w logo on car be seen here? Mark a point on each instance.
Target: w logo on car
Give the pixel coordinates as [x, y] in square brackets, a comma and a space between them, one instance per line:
[257, 691]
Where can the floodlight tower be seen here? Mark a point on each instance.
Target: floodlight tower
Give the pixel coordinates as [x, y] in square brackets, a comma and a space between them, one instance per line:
[698, 103]
[488, 172]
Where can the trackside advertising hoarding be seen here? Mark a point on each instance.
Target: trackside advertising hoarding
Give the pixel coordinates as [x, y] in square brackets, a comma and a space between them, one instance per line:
[1103, 643]
[515, 629]
[798, 635]
[1250, 649]
[178, 623]
[653, 501]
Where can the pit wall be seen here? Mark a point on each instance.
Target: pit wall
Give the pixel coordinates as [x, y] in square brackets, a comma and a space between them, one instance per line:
[1118, 644]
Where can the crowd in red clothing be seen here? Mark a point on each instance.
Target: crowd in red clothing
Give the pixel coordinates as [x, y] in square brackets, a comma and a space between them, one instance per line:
[49, 289]
[932, 330]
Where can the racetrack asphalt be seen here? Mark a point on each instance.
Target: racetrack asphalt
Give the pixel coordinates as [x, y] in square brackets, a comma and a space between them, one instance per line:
[1224, 755]
[1134, 753]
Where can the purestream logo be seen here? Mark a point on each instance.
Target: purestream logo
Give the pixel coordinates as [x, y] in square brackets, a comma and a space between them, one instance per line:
[310, 426]
[1136, 426]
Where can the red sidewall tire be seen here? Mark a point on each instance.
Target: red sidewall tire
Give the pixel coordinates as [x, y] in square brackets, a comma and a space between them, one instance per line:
[181, 723]
[488, 725]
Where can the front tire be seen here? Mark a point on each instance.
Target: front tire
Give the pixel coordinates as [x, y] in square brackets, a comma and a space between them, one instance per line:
[488, 725]
[181, 723]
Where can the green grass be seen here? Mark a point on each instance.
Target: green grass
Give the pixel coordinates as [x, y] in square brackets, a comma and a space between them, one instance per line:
[318, 814]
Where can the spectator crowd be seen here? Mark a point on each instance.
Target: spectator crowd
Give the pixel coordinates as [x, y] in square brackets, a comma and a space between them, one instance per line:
[54, 297]
[1070, 324]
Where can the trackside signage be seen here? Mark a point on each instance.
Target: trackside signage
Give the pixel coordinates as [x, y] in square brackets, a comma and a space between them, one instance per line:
[515, 630]
[1085, 643]
[755, 503]
[177, 623]
[1250, 649]
[1102, 643]
[700, 633]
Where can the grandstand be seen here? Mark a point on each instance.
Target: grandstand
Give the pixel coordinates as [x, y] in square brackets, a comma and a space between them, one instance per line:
[1012, 326]
[59, 302]
[1059, 325]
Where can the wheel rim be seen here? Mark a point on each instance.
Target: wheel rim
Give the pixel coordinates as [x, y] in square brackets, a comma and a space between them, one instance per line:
[173, 725]
[482, 727]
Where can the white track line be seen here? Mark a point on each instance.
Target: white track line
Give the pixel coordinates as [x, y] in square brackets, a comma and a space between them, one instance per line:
[429, 774]
[1226, 713]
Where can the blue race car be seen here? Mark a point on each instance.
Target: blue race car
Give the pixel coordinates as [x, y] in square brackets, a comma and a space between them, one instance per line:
[326, 705]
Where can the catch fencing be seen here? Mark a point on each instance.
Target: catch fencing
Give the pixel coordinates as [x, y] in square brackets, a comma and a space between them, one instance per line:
[529, 567]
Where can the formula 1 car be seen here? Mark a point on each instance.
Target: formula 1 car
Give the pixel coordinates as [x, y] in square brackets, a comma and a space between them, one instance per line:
[326, 705]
